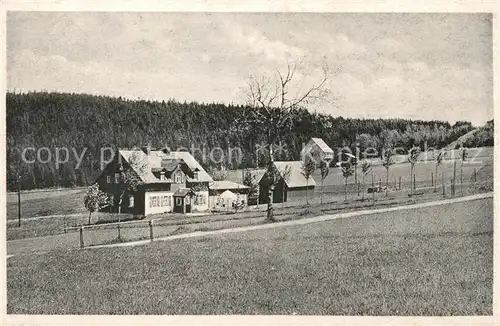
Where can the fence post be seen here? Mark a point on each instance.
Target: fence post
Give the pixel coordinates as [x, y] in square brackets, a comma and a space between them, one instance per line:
[151, 230]
[373, 189]
[414, 185]
[452, 183]
[461, 180]
[442, 183]
[81, 237]
[19, 207]
[119, 232]
[432, 179]
[474, 174]
[454, 176]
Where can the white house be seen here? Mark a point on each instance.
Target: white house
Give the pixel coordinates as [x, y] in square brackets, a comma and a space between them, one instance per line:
[169, 182]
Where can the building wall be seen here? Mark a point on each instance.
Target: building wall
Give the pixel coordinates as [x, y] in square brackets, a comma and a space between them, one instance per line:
[219, 202]
[200, 206]
[156, 202]
[299, 192]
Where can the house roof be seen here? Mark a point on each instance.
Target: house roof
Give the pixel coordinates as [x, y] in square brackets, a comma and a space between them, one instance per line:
[237, 175]
[322, 145]
[226, 184]
[229, 194]
[296, 178]
[183, 192]
[154, 161]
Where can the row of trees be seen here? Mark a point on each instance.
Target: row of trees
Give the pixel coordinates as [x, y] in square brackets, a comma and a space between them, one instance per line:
[86, 123]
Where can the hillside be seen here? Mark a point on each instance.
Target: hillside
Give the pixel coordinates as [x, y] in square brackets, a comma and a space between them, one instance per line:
[482, 136]
[84, 124]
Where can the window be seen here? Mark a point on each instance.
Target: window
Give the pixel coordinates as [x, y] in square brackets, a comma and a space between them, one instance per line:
[200, 199]
[112, 200]
[108, 179]
[154, 201]
[165, 201]
[131, 201]
[195, 175]
[162, 176]
[178, 177]
[178, 202]
[117, 177]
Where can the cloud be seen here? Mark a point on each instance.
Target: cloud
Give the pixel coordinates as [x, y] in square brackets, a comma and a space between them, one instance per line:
[342, 47]
[387, 70]
[251, 40]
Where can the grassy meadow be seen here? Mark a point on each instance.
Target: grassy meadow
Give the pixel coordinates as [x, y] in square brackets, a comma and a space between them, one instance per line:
[430, 261]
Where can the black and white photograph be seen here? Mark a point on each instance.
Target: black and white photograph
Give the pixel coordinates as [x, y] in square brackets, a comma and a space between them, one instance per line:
[249, 163]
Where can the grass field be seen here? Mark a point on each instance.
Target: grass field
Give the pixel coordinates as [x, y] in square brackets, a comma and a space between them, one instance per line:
[43, 203]
[431, 261]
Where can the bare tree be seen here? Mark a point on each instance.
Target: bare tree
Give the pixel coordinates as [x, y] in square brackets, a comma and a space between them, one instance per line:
[250, 181]
[439, 160]
[324, 167]
[387, 161]
[366, 167]
[275, 99]
[347, 171]
[463, 156]
[131, 177]
[307, 169]
[218, 174]
[412, 159]
[286, 177]
[272, 178]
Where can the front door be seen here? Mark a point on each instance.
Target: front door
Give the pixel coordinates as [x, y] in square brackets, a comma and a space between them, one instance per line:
[188, 204]
[179, 205]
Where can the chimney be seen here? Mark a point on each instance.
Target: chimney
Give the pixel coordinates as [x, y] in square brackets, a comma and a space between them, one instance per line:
[166, 150]
[146, 149]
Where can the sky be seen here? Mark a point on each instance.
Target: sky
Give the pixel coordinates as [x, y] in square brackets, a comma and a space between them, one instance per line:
[418, 66]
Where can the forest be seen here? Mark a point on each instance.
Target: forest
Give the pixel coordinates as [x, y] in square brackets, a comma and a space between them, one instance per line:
[86, 123]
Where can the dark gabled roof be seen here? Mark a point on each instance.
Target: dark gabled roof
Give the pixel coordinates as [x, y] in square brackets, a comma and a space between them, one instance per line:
[183, 192]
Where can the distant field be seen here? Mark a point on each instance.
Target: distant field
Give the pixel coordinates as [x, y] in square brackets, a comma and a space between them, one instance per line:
[431, 261]
[64, 201]
[424, 173]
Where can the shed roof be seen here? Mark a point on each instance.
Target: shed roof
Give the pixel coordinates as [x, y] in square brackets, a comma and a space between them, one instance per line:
[229, 194]
[322, 145]
[183, 192]
[226, 184]
[296, 178]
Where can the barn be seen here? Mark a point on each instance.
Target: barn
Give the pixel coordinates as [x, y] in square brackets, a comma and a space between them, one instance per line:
[318, 150]
[294, 186]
